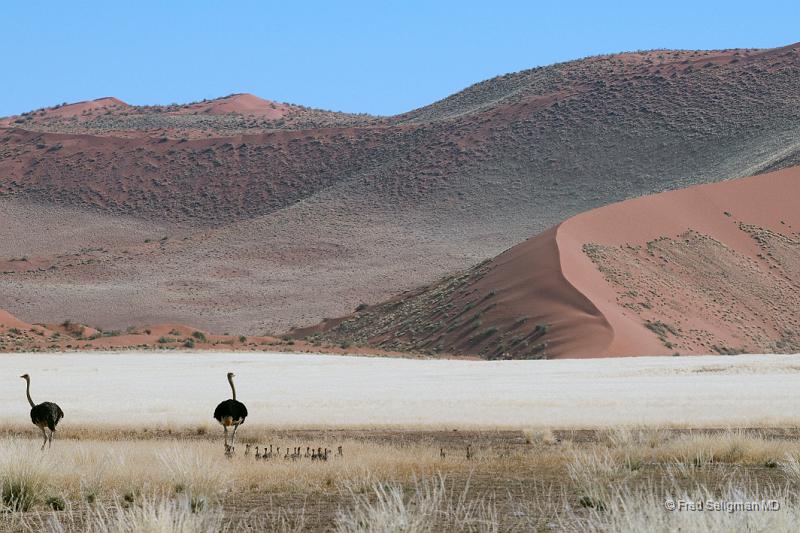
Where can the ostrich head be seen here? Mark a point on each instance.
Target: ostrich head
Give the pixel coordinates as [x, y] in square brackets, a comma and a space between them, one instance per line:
[231, 375]
[26, 377]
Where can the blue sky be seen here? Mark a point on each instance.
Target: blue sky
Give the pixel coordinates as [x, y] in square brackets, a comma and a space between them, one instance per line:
[376, 57]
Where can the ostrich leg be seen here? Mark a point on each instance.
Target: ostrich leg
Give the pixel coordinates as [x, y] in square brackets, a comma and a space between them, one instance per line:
[44, 436]
[233, 437]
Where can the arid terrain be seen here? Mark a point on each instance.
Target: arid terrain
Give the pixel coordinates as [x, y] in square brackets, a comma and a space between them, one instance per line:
[245, 216]
[572, 445]
[708, 269]
[178, 390]
[564, 298]
[617, 480]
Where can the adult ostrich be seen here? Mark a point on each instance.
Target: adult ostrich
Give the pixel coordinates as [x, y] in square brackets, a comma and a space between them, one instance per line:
[230, 413]
[44, 415]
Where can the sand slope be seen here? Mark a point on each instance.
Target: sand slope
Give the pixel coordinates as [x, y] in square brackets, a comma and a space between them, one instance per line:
[708, 269]
[517, 305]
[206, 214]
[711, 268]
[243, 104]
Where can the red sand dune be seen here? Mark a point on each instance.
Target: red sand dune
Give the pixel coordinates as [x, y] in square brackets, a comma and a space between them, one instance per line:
[74, 110]
[71, 110]
[7, 320]
[19, 336]
[243, 104]
[768, 201]
[708, 269]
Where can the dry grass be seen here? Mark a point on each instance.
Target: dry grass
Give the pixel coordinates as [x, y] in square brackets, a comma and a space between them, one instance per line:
[614, 480]
[153, 514]
[539, 436]
[106, 469]
[727, 447]
[636, 509]
[429, 505]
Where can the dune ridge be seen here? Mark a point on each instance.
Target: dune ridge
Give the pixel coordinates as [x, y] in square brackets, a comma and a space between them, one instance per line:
[707, 269]
[726, 213]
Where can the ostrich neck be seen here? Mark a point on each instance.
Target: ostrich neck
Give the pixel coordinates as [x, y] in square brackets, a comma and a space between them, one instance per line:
[233, 389]
[28, 392]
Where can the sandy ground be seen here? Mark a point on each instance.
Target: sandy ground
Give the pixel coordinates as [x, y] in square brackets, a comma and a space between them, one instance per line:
[709, 268]
[713, 268]
[146, 389]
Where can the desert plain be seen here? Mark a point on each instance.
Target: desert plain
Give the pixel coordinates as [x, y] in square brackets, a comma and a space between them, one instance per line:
[571, 444]
[537, 304]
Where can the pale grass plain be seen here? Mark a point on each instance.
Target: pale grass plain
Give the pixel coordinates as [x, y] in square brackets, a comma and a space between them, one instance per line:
[618, 481]
[137, 451]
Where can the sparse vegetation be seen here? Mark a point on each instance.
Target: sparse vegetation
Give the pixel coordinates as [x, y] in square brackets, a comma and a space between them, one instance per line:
[605, 480]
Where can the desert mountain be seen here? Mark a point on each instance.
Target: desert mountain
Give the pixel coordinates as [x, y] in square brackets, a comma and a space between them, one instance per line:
[248, 215]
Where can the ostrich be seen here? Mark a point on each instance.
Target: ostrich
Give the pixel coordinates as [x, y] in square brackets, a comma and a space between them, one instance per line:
[44, 415]
[230, 413]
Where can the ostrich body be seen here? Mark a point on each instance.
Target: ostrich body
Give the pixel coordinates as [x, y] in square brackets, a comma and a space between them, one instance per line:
[230, 413]
[46, 415]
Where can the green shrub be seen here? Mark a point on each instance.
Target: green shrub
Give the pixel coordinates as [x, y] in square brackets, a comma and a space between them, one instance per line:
[56, 503]
[18, 493]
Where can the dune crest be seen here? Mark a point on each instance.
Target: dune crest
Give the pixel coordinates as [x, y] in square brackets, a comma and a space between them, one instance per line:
[242, 104]
[742, 231]
[708, 269]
